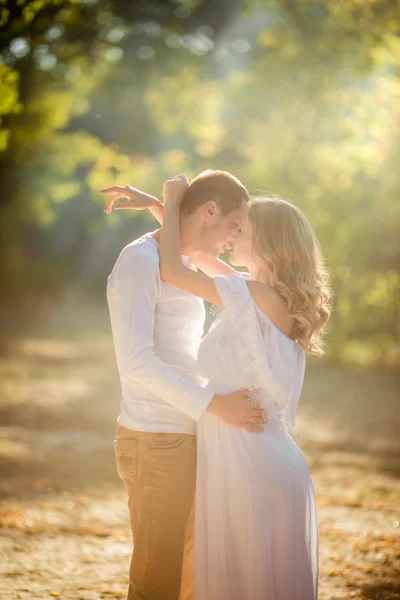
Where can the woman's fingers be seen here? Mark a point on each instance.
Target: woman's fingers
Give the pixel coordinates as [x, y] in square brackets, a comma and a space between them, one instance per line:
[113, 188]
[256, 412]
[118, 191]
[109, 204]
[183, 177]
[174, 190]
[124, 206]
[113, 198]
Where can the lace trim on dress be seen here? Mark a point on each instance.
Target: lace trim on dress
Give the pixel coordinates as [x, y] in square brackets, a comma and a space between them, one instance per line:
[216, 310]
[253, 361]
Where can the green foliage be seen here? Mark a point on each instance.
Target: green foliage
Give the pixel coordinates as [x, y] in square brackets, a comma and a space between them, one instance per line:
[297, 98]
[9, 100]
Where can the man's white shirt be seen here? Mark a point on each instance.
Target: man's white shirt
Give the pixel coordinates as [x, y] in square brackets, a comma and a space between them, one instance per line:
[157, 330]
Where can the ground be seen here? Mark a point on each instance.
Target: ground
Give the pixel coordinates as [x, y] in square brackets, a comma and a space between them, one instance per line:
[64, 522]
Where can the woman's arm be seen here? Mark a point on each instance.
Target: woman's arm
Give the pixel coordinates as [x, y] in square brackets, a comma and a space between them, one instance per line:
[213, 266]
[172, 269]
[138, 200]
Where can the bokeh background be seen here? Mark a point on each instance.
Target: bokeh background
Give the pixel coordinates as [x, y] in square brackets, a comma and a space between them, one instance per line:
[295, 97]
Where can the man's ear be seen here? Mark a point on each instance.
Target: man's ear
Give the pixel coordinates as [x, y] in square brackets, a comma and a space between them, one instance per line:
[211, 209]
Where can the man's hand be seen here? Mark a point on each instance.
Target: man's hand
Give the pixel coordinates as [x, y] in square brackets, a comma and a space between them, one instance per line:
[236, 410]
[174, 190]
[137, 200]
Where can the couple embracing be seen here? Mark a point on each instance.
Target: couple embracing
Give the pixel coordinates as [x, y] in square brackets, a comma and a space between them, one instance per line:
[221, 501]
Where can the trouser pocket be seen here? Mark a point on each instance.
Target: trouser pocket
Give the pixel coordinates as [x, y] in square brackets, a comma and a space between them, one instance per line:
[126, 456]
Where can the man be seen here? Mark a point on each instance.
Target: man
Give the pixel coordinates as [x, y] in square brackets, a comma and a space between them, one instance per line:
[157, 329]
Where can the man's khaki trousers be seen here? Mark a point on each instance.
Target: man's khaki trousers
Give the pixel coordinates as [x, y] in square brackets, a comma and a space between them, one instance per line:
[159, 474]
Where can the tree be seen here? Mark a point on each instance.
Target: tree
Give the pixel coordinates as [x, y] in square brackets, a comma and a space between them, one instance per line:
[298, 98]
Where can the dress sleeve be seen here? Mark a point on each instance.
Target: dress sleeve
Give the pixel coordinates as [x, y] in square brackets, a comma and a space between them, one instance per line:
[243, 275]
[253, 361]
[289, 410]
[234, 293]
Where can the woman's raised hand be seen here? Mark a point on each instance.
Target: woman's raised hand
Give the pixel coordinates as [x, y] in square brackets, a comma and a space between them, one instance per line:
[174, 190]
[137, 200]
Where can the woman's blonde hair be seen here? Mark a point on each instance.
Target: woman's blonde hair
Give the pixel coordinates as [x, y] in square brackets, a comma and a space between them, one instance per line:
[285, 240]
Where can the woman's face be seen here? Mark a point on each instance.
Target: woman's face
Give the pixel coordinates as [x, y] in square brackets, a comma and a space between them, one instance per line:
[242, 247]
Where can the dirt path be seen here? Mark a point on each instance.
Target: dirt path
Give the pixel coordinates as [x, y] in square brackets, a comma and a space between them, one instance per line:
[64, 523]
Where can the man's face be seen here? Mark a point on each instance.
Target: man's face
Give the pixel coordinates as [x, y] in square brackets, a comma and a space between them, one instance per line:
[221, 232]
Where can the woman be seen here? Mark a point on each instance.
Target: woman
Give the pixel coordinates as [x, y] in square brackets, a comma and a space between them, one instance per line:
[256, 534]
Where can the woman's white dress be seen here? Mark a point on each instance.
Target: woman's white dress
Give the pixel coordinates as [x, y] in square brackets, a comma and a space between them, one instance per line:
[256, 531]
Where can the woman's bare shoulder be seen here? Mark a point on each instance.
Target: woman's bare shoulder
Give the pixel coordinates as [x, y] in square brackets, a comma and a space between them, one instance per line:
[272, 304]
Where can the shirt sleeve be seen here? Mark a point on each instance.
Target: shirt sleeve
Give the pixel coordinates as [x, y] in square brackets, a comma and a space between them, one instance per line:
[134, 292]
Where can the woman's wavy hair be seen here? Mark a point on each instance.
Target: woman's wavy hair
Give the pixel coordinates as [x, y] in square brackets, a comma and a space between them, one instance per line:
[285, 240]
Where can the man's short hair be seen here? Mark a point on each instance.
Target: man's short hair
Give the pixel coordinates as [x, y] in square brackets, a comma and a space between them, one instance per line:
[219, 186]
